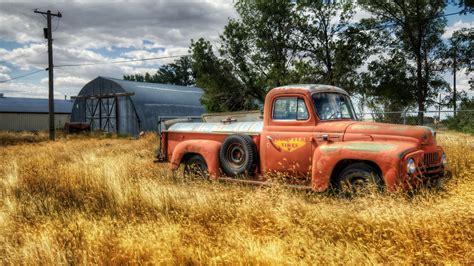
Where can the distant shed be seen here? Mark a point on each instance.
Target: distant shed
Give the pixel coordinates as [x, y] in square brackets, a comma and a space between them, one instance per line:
[128, 107]
[31, 114]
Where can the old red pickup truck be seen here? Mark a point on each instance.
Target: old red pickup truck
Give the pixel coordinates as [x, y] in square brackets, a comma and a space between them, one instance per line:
[309, 133]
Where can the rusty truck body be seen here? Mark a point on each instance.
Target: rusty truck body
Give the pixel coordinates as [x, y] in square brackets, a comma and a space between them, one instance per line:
[308, 133]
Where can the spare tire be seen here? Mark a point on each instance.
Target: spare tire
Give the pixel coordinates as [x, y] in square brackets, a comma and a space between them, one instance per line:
[238, 155]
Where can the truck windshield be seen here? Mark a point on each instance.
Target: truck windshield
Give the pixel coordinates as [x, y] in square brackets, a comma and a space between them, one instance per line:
[333, 106]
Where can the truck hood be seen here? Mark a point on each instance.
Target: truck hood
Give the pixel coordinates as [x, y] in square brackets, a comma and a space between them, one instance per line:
[424, 135]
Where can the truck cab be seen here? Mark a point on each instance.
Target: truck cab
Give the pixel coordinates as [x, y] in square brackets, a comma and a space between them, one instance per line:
[310, 134]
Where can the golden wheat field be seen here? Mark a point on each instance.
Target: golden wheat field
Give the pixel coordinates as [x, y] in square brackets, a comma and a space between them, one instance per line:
[98, 200]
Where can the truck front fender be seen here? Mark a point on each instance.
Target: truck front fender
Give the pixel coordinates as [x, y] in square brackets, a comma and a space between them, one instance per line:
[208, 149]
[386, 155]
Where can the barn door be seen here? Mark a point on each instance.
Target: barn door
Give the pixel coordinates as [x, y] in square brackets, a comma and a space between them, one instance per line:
[102, 114]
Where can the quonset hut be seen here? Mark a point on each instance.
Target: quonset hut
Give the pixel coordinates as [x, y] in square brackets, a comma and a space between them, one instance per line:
[128, 107]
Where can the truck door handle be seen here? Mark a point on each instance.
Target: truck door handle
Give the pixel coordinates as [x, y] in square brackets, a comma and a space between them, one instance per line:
[327, 137]
[270, 139]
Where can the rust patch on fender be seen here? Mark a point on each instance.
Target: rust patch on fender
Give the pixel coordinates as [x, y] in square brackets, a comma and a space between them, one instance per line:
[362, 126]
[401, 128]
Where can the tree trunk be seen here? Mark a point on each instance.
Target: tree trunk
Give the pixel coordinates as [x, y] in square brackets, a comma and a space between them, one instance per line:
[419, 88]
[419, 65]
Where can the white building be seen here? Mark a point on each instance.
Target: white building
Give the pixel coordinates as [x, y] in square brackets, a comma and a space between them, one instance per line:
[30, 114]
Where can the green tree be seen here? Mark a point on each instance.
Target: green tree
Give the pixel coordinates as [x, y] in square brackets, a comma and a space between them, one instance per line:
[255, 54]
[222, 90]
[177, 73]
[416, 26]
[391, 84]
[466, 5]
[458, 56]
[274, 43]
[332, 48]
[464, 120]
[134, 77]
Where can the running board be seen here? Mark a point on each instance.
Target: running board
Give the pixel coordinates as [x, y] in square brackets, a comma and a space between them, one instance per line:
[261, 183]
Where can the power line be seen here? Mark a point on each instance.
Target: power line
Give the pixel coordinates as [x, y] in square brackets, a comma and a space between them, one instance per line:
[449, 14]
[91, 64]
[57, 24]
[22, 76]
[387, 25]
[122, 61]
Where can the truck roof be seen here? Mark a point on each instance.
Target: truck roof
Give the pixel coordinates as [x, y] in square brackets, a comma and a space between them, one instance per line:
[313, 88]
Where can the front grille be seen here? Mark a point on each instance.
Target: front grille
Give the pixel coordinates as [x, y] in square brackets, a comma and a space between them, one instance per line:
[431, 158]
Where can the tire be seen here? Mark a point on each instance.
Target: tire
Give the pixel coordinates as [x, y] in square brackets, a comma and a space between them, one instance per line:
[358, 178]
[196, 167]
[238, 155]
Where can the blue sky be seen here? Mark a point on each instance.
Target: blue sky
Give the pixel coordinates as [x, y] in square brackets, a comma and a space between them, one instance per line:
[96, 32]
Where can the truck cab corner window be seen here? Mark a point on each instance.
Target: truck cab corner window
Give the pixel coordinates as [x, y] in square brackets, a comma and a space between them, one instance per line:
[302, 112]
[290, 108]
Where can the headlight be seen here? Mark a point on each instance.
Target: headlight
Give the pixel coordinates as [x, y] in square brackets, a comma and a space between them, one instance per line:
[444, 160]
[411, 166]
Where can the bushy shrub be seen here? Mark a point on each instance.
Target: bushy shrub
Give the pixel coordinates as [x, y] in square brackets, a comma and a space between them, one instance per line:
[464, 120]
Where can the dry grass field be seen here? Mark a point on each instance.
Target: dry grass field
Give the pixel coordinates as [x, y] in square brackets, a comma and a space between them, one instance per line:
[102, 200]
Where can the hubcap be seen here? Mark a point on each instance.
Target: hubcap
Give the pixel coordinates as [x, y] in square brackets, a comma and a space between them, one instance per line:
[196, 169]
[359, 183]
[235, 154]
[355, 184]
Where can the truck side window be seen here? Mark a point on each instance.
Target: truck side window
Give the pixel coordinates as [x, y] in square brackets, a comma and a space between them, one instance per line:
[290, 108]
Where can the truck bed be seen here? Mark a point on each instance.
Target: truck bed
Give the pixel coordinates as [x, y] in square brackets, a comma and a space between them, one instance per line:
[248, 128]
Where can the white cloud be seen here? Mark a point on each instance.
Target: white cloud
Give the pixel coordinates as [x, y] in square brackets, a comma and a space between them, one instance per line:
[457, 26]
[22, 89]
[4, 76]
[360, 14]
[4, 69]
[66, 81]
[26, 57]
[462, 80]
[120, 24]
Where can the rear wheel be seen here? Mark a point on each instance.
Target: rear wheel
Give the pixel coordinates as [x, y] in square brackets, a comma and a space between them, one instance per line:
[238, 155]
[196, 167]
[359, 178]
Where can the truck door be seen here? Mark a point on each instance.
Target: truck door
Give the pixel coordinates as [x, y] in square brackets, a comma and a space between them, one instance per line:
[288, 138]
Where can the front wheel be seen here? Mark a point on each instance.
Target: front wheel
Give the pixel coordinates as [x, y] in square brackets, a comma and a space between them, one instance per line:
[358, 178]
[196, 167]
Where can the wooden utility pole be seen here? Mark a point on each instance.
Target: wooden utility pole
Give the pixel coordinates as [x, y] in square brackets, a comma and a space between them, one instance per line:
[49, 35]
[454, 80]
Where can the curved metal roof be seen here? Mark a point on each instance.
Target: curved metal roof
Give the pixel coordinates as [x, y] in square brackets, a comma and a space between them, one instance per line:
[156, 93]
[151, 100]
[33, 105]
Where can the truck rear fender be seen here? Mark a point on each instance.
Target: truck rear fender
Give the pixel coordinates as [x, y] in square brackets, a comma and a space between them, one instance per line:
[329, 159]
[208, 149]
